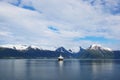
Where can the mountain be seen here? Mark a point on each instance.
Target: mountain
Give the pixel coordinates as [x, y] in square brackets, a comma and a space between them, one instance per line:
[98, 47]
[19, 46]
[95, 51]
[70, 53]
[29, 52]
[63, 52]
[116, 54]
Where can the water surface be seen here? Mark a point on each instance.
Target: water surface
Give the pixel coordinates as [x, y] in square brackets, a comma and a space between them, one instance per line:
[51, 69]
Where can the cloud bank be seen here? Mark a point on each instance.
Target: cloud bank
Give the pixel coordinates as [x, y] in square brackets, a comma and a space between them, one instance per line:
[54, 23]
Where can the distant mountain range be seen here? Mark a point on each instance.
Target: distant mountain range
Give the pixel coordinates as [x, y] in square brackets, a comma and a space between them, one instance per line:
[95, 51]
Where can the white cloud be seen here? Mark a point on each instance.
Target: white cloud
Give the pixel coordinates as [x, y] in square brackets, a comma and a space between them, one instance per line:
[73, 18]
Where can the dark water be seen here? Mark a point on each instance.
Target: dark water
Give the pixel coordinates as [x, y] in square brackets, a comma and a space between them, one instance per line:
[37, 69]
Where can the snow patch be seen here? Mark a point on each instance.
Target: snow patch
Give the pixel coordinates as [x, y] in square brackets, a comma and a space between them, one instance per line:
[74, 50]
[19, 46]
[98, 46]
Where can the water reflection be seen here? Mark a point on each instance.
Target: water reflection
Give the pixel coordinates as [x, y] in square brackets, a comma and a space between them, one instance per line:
[36, 69]
[60, 71]
[102, 64]
[104, 67]
[60, 64]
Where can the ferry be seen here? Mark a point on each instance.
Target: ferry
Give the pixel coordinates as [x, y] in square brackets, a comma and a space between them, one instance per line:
[60, 58]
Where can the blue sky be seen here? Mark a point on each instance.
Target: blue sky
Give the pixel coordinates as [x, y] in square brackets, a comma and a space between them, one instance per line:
[55, 23]
[53, 28]
[97, 39]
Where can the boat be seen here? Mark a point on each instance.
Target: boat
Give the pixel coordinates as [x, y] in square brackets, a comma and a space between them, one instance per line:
[60, 58]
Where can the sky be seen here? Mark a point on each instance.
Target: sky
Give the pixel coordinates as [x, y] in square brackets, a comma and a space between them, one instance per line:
[54, 23]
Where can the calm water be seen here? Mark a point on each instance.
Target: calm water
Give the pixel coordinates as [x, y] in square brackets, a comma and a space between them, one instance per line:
[37, 69]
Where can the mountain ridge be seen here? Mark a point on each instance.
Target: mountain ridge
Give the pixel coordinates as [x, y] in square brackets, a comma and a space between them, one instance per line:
[34, 52]
[59, 49]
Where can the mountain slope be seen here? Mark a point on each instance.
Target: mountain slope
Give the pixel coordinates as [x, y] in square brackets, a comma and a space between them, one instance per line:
[93, 52]
[97, 51]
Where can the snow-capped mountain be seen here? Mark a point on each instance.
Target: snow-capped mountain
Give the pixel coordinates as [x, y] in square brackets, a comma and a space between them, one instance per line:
[74, 50]
[70, 51]
[19, 46]
[60, 49]
[98, 47]
[95, 51]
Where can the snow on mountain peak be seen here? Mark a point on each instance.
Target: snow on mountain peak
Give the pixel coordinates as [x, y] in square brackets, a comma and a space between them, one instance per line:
[74, 49]
[98, 47]
[95, 46]
[18, 46]
[105, 48]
